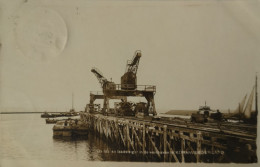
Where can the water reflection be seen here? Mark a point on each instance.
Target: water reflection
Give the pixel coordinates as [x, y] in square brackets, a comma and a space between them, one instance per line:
[27, 137]
[92, 148]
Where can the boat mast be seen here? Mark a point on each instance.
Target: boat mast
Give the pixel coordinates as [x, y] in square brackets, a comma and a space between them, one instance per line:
[72, 102]
[239, 113]
[256, 100]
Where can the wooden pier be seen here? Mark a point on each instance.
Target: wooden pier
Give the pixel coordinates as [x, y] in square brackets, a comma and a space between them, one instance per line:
[173, 141]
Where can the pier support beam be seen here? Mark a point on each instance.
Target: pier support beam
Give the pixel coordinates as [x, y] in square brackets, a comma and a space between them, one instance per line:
[198, 146]
[127, 136]
[106, 129]
[144, 139]
[156, 138]
[165, 142]
[154, 146]
[182, 147]
[172, 153]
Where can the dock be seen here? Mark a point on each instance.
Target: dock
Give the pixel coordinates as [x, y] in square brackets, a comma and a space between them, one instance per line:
[175, 141]
[134, 128]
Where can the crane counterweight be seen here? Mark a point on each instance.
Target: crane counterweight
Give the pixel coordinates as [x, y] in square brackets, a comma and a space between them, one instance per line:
[129, 79]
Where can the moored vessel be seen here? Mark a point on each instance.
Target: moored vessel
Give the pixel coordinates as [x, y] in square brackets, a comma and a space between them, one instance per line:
[70, 128]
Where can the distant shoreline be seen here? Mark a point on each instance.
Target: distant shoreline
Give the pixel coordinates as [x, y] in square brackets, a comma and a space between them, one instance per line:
[189, 112]
[35, 112]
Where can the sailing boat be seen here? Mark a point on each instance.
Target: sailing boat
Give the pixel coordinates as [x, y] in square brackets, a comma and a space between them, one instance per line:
[248, 108]
[72, 103]
[246, 114]
[249, 115]
[239, 111]
[72, 111]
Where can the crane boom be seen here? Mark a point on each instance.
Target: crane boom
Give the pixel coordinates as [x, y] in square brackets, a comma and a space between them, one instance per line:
[132, 65]
[102, 80]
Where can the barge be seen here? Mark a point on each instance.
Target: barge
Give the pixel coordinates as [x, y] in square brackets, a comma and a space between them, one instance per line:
[70, 128]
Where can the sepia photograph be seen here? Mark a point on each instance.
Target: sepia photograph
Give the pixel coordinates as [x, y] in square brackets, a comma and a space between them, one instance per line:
[129, 82]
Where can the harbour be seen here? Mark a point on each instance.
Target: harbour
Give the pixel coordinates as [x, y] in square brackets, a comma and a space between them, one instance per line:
[206, 136]
[135, 130]
[129, 83]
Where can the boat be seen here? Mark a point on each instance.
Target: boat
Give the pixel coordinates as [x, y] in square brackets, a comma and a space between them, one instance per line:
[51, 121]
[47, 115]
[205, 113]
[70, 128]
[54, 121]
[250, 116]
[244, 113]
[71, 113]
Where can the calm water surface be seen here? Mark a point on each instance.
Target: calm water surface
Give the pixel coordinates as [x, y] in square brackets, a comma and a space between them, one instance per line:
[27, 137]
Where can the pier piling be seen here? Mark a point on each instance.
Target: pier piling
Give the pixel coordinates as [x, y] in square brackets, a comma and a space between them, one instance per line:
[169, 141]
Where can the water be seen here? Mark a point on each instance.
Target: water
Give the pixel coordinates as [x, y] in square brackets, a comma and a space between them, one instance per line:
[25, 138]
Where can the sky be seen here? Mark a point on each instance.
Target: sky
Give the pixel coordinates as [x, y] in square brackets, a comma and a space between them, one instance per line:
[193, 51]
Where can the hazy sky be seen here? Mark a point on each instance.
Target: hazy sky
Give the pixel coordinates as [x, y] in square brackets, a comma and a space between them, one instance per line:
[191, 50]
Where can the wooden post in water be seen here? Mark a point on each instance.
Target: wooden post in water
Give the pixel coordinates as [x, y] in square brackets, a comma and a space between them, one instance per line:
[106, 130]
[198, 146]
[165, 141]
[127, 136]
[133, 139]
[144, 139]
[182, 147]
[100, 127]
[94, 125]
[170, 150]
[213, 148]
[116, 131]
[160, 141]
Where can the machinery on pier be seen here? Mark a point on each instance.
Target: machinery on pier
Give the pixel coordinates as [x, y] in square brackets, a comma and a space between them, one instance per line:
[127, 88]
[124, 108]
[141, 110]
[129, 80]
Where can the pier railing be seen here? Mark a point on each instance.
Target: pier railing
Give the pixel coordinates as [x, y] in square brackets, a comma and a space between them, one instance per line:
[96, 93]
[132, 87]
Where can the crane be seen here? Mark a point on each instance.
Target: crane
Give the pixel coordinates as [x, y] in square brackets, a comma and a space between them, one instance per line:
[129, 80]
[132, 65]
[127, 88]
[105, 84]
[101, 79]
